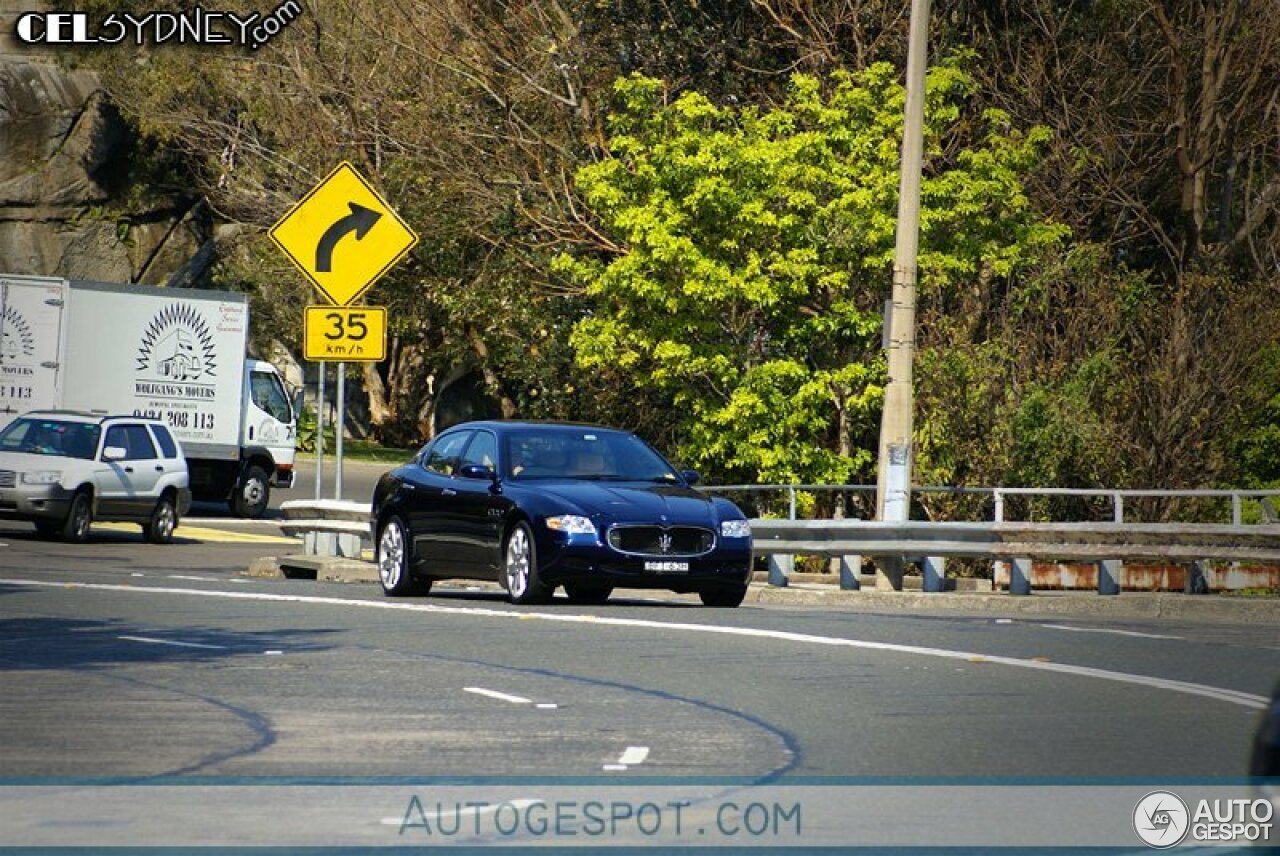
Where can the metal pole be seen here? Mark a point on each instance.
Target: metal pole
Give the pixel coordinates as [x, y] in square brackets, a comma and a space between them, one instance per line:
[339, 423]
[320, 434]
[894, 478]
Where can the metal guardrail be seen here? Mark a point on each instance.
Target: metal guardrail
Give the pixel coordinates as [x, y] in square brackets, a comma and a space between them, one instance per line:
[333, 527]
[328, 527]
[1266, 498]
[1106, 544]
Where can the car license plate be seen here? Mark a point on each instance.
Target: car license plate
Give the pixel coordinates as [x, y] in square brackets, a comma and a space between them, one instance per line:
[665, 567]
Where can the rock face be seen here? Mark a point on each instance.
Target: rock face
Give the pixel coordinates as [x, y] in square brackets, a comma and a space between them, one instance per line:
[64, 159]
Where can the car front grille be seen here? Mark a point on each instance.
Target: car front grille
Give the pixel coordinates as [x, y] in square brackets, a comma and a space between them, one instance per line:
[662, 540]
[8, 478]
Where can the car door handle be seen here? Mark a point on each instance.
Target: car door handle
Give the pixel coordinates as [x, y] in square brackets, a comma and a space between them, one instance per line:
[128, 469]
[409, 486]
[448, 491]
[159, 468]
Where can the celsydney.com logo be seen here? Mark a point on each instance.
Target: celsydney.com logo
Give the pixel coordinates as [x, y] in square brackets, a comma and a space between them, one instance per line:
[190, 27]
[1161, 819]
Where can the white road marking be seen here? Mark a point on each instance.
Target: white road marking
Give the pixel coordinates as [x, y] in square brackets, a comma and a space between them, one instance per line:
[173, 642]
[273, 653]
[546, 705]
[514, 699]
[1249, 700]
[137, 575]
[634, 755]
[1134, 633]
[194, 579]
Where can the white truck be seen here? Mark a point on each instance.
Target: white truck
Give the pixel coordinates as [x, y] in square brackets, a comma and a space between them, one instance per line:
[167, 353]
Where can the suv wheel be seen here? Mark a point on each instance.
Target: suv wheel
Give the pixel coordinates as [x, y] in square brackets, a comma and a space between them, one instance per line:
[75, 529]
[164, 519]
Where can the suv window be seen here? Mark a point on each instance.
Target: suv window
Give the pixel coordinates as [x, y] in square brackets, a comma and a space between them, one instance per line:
[50, 436]
[134, 439]
[444, 453]
[165, 440]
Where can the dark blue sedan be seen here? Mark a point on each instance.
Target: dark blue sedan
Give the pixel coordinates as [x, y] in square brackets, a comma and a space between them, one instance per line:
[541, 505]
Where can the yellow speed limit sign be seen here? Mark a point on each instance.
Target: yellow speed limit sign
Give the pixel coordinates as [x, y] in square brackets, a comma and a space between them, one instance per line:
[350, 334]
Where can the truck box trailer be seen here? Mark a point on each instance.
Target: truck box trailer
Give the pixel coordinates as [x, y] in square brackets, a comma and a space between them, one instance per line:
[169, 353]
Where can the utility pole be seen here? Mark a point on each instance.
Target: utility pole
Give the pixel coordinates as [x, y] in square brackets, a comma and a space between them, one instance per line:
[893, 486]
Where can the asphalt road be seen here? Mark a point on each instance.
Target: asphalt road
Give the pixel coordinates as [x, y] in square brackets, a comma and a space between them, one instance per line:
[120, 658]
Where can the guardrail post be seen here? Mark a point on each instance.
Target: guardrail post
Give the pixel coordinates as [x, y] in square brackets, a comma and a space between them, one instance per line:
[1109, 571]
[889, 573]
[779, 568]
[1118, 499]
[935, 571]
[1020, 576]
[850, 569]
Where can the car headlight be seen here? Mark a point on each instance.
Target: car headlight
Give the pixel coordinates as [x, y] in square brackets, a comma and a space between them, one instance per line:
[42, 477]
[735, 529]
[573, 524]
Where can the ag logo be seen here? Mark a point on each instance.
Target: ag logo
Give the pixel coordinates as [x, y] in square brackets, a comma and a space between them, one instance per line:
[15, 336]
[177, 346]
[1161, 820]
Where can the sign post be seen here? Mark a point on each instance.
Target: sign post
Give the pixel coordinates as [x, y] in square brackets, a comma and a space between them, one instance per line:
[342, 236]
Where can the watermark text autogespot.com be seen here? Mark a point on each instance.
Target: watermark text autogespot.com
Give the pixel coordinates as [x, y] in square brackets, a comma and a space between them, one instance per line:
[197, 26]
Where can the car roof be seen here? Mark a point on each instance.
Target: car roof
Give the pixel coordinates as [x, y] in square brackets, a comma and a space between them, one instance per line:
[506, 426]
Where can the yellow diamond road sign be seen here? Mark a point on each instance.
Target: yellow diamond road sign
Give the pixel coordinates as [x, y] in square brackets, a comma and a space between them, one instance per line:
[343, 235]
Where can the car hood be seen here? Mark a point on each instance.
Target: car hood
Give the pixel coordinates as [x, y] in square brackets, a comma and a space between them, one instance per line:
[637, 503]
[23, 462]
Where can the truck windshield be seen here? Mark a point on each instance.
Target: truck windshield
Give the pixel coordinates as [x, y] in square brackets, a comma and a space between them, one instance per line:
[37, 436]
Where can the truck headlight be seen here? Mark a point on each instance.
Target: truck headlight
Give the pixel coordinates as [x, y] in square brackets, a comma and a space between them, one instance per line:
[42, 477]
[735, 529]
[571, 524]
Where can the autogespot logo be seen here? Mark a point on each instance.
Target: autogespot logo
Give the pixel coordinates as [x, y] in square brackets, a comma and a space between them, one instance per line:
[1161, 820]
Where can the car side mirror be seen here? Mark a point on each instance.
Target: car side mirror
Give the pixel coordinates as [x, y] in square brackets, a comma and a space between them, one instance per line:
[477, 471]
[690, 476]
[114, 453]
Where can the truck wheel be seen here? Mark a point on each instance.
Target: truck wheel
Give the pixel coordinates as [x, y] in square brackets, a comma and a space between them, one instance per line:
[75, 529]
[250, 496]
[164, 519]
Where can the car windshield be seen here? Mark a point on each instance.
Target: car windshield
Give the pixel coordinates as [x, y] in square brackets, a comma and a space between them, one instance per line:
[584, 454]
[37, 436]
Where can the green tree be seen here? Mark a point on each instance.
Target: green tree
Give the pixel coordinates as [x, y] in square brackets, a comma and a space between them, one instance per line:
[749, 250]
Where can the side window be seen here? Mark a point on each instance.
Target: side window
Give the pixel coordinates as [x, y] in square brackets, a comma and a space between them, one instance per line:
[268, 394]
[134, 439]
[483, 450]
[167, 445]
[139, 443]
[444, 454]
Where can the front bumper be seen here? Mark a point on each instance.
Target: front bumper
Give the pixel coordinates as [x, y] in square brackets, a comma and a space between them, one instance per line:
[594, 563]
[34, 502]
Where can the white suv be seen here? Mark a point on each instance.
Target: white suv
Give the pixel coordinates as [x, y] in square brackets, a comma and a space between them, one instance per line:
[63, 469]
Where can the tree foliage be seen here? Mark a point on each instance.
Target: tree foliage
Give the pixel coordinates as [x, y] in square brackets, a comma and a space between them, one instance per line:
[754, 249]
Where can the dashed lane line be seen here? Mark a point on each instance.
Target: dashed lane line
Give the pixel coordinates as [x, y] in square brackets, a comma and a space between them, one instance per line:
[1248, 700]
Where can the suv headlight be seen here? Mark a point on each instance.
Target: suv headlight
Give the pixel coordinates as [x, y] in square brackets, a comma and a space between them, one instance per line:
[735, 529]
[42, 477]
[572, 524]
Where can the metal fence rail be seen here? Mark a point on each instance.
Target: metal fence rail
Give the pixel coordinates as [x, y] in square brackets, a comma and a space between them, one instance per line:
[1267, 499]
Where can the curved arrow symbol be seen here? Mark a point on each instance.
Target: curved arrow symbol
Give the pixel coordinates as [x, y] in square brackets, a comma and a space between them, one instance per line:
[360, 221]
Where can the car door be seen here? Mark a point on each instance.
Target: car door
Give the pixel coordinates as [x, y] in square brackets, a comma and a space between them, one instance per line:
[127, 483]
[427, 501]
[477, 509]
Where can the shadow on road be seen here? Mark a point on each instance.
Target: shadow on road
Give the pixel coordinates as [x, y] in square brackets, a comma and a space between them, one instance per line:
[85, 644]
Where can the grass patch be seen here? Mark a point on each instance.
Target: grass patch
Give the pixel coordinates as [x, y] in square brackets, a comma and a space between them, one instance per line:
[362, 450]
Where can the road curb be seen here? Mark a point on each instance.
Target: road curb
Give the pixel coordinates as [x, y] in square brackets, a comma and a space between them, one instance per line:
[1170, 606]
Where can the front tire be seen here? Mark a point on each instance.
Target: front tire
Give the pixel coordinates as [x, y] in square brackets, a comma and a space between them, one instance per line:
[164, 519]
[394, 561]
[725, 597]
[251, 494]
[75, 529]
[520, 568]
